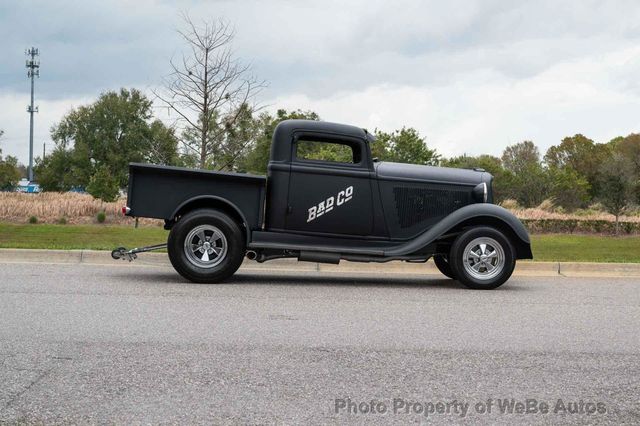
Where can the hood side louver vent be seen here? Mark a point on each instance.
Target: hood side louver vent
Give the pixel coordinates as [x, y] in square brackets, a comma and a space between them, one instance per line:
[415, 205]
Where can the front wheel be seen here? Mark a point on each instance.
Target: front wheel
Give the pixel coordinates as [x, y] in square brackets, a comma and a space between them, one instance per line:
[206, 246]
[482, 258]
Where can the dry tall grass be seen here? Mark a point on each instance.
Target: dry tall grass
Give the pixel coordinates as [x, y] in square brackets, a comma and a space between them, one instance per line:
[547, 210]
[50, 207]
[538, 213]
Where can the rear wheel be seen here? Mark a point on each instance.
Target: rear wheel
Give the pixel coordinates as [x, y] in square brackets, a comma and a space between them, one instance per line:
[443, 265]
[482, 258]
[206, 246]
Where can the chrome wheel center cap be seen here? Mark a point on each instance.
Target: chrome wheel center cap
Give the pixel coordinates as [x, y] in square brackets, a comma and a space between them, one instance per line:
[206, 245]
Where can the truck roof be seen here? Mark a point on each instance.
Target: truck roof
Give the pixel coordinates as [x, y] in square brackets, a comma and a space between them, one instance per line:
[280, 148]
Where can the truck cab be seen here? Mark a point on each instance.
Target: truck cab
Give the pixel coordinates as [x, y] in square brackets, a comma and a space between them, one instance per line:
[323, 195]
[325, 199]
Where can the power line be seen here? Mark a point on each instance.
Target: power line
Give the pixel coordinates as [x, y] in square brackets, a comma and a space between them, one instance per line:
[33, 71]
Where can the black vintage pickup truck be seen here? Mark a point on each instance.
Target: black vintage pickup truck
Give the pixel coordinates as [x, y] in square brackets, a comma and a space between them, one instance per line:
[353, 208]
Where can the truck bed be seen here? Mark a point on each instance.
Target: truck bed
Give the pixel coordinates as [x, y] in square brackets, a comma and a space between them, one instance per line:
[160, 191]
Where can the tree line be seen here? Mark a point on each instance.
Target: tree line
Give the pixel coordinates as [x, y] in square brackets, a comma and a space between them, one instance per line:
[573, 174]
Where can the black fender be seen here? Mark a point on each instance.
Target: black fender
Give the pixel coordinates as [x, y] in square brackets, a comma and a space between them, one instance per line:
[212, 201]
[473, 214]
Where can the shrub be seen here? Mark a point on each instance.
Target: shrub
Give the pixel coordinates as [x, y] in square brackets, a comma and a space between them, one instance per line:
[103, 185]
[102, 216]
[33, 220]
[62, 221]
[628, 227]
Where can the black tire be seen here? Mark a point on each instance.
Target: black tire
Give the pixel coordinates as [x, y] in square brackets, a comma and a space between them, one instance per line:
[487, 275]
[443, 266]
[222, 263]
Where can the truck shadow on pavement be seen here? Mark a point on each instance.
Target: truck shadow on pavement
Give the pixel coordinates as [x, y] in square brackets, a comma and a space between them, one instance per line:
[274, 279]
[433, 282]
[341, 280]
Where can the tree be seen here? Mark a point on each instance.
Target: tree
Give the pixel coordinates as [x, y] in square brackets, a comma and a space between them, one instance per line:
[403, 146]
[525, 179]
[9, 173]
[234, 143]
[209, 90]
[521, 157]
[103, 185]
[580, 154]
[629, 148]
[568, 189]
[615, 185]
[161, 145]
[110, 133]
[56, 172]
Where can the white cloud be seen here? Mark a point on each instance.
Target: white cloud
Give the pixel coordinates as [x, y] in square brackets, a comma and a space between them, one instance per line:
[15, 123]
[482, 111]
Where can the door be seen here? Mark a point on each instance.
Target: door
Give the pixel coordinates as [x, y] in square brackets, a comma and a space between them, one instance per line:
[329, 186]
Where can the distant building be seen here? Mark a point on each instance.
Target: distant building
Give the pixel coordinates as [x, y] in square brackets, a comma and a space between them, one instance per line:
[25, 186]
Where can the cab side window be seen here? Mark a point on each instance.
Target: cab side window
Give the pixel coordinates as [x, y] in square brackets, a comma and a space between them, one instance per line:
[335, 151]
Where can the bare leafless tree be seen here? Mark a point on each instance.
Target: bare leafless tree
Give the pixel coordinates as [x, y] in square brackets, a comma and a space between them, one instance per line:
[209, 89]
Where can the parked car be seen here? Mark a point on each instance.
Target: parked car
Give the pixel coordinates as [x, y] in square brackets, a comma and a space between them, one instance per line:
[27, 187]
[356, 209]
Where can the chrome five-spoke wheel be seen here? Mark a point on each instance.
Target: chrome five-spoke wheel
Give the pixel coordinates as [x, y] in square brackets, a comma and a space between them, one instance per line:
[483, 258]
[205, 246]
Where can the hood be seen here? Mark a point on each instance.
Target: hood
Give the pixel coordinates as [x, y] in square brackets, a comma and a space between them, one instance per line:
[414, 172]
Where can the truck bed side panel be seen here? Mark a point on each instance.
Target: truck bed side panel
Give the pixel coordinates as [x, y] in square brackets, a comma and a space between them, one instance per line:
[157, 191]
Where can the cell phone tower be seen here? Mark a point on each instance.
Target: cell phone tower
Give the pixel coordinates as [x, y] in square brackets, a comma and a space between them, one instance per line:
[33, 71]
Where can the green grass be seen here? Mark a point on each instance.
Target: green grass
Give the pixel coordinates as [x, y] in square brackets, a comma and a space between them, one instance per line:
[585, 248]
[67, 237]
[551, 247]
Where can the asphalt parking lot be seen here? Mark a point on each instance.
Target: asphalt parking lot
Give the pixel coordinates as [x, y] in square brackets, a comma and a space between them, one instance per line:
[118, 344]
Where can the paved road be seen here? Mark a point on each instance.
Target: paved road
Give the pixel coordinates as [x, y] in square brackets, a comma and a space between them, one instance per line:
[89, 344]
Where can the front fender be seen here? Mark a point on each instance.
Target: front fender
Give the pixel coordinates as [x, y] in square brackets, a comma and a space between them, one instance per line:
[473, 214]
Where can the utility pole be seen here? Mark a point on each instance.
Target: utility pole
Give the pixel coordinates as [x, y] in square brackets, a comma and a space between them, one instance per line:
[33, 71]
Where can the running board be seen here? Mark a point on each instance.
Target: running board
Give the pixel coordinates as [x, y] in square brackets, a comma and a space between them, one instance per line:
[306, 243]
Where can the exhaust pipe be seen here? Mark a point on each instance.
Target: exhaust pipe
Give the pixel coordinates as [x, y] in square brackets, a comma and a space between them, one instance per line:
[319, 257]
[252, 255]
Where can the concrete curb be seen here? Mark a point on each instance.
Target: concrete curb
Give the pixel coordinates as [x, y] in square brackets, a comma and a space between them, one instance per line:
[526, 268]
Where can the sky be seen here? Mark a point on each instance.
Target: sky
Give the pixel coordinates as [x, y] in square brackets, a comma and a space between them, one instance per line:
[471, 76]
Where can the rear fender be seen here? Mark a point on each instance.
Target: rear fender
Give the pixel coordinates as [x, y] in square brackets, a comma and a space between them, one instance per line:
[213, 202]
